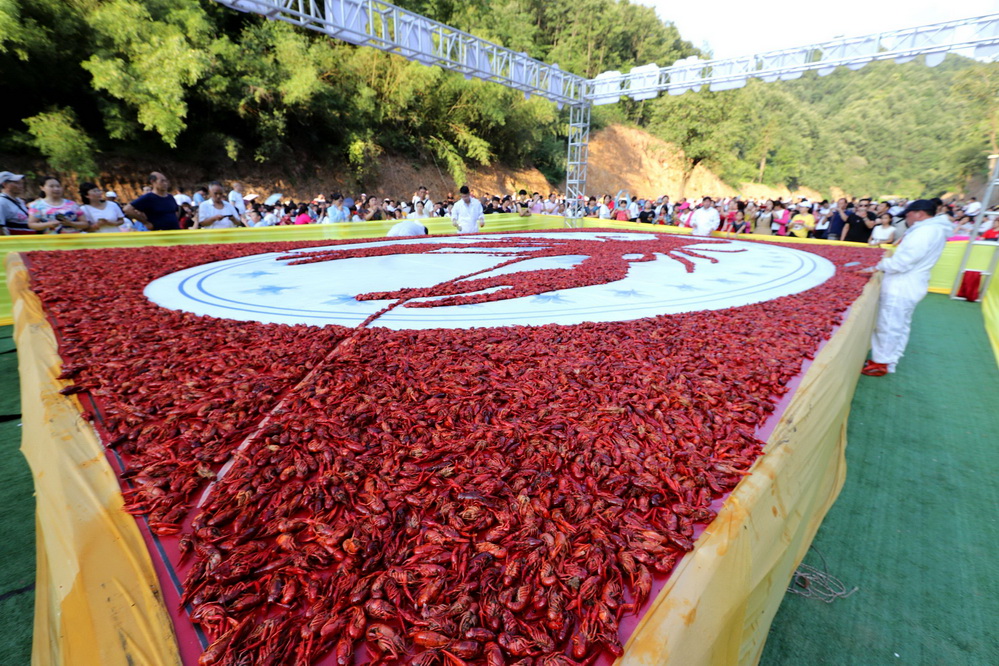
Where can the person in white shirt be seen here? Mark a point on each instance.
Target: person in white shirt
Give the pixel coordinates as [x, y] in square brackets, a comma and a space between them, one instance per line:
[182, 198]
[466, 214]
[973, 208]
[963, 226]
[418, 213]
[634, 209]
[102, 215]
[235, 198]
[664, 209]
[407, 228]
[550, 205]
[253, 218]
[705, 219]
[217, 213]
[423, 196]
[270, 218]
[603, 210]
[884, 233]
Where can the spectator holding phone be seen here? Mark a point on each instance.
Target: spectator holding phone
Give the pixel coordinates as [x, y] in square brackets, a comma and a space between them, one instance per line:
[217, 212]
[54, 214]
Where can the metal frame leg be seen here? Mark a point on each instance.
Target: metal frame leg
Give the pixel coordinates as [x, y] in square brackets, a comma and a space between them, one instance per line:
[575, 175]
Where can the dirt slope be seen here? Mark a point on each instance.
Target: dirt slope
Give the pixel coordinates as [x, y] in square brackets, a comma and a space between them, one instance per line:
[627, 158]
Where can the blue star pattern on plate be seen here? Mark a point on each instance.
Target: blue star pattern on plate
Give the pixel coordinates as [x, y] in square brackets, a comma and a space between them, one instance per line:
[550, 297]
[627, 293]
[255, 274]
[682, 287]
[267, 290]
[342, 299]
[726, 281]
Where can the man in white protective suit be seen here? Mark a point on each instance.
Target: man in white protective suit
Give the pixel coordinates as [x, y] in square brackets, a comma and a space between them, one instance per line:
[906, 278]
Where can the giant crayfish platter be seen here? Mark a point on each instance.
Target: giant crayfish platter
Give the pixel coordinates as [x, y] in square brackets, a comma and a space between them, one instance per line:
[405, 482]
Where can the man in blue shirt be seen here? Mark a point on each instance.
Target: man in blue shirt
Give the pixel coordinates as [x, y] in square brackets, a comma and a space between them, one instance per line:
[156, 209]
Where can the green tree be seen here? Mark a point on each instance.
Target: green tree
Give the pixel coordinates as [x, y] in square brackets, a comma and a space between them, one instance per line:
[57, 135]
[976, 96]
[699, 125]
[148, 54]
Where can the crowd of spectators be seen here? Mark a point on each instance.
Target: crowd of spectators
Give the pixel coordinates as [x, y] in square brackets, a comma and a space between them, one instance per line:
[213, 206]
[853, 220]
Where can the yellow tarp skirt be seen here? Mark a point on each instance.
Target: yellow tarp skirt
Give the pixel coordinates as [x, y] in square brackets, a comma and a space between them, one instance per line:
[945, 270]
[98, 600]
[990, 311]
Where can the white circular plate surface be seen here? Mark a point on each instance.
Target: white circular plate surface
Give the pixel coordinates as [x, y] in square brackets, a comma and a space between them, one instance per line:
[260, 288]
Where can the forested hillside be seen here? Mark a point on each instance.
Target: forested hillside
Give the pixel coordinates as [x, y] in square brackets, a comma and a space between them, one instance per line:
[194, 81]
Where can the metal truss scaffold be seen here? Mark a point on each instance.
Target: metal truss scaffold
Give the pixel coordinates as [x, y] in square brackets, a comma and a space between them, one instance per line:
[988, 216]
[975, 37]
[575, 175]
[395, 30]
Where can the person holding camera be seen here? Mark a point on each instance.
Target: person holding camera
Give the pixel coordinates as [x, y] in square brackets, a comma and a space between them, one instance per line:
[376, 212]
[217, 212]
[54, 214]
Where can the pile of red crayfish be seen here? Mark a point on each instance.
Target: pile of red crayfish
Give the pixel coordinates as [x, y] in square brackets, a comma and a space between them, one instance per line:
[493, 495]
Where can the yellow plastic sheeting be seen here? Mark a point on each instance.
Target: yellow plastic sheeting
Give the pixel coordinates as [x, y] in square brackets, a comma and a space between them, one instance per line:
[945, 270]
[97, 599]
[990, 311]
[302, 232]
[718, 605]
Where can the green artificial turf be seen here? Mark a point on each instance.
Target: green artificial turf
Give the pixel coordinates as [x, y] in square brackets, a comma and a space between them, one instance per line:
[915, 528]
[17, 526]
[10, 392]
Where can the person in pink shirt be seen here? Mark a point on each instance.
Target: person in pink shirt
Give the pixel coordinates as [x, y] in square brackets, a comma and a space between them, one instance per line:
[781, 218]
[683, 215]
[537, 205]
[303, 217]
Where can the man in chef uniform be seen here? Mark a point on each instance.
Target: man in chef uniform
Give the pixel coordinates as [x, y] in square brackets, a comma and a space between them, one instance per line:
[906, 278]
